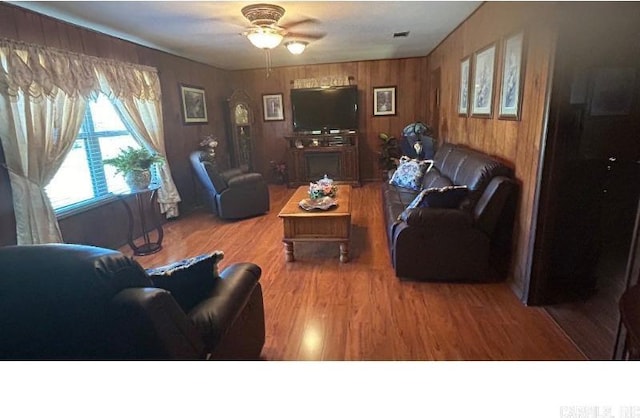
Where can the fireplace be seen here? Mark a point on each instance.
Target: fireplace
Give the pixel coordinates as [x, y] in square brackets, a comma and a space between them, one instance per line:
[319, 164]
[310, 157]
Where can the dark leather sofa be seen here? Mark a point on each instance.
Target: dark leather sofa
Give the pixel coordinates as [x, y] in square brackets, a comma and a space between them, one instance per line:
[435, 244]
[62, 301]
[232, 193]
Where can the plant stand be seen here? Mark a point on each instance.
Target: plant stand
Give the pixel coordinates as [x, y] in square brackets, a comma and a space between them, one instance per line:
[149, 246]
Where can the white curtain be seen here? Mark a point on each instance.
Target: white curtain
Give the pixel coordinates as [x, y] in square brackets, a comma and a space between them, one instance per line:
[143, 115]
[39, 122]
[43, 97]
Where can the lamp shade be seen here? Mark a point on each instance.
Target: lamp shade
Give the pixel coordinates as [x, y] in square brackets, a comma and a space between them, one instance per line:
[265, 38]
[296, 47]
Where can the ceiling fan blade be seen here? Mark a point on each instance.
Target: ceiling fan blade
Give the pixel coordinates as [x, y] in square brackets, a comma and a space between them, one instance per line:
[301, 22]
[303, 36]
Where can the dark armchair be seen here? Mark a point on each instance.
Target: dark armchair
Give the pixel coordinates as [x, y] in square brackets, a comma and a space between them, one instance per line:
[63, 301]
[231, 194]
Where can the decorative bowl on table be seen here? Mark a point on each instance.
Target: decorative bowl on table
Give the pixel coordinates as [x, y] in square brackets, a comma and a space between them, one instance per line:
[322, 203]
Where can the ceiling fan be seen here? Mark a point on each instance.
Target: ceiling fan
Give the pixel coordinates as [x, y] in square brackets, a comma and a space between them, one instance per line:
[265, 33]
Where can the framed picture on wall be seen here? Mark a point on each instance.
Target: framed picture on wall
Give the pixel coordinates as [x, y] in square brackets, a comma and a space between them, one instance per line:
[272, 106]
[194, 104]
[512, 77]
[483, 74]
[384, 101]
[463, 97]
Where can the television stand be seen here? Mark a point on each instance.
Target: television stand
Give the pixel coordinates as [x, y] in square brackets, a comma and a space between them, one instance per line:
[312, 156]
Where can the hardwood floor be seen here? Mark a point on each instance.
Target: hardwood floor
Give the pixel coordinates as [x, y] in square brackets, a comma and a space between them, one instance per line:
[317, 308]
[592, 321]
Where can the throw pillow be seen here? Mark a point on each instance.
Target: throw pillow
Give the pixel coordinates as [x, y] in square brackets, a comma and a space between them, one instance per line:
[449, 197]
[188, 280]
[410, 172]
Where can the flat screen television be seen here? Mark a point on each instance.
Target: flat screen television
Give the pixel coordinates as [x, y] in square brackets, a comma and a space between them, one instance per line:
[325, 109]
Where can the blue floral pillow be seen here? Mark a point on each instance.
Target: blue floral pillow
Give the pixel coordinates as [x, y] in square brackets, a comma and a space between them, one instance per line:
[410, 172]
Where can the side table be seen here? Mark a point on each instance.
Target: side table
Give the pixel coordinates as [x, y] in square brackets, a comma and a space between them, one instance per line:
[149, 246]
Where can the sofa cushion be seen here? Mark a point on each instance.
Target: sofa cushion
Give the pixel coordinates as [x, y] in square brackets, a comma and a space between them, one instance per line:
[433, 178]
[398, 195]
[188, 279]
[442, 154]
[395, 200]
[410, 172]
[465, 166]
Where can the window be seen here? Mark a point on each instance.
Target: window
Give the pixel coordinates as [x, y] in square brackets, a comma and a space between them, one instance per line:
[83, 179]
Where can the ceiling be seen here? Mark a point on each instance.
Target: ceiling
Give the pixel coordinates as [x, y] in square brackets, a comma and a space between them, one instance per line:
[211, 31]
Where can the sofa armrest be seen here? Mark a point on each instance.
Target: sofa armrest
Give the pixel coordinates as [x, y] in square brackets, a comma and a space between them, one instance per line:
[437, 218]
[154, 326]
[493, 201]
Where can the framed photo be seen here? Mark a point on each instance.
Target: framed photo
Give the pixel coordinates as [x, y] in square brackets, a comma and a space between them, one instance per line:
[194, 104]
[463, 99]
[612, 91]
[483, 75]
[272, 106]
[511, 88]
[384, 101]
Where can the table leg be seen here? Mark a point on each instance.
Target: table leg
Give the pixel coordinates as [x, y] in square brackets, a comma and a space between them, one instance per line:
[344, 252]
[288, 251]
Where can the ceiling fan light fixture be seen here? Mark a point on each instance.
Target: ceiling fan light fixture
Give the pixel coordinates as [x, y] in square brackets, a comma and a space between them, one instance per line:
[265, 37]
[262, 14]
[296, 47]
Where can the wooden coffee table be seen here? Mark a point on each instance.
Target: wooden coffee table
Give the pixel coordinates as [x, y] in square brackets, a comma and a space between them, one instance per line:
[332, 225]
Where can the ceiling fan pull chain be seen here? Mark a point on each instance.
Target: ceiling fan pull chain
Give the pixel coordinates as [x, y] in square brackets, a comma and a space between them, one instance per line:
[268, 57]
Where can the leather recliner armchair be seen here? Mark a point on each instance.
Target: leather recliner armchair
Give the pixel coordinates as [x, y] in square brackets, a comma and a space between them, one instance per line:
[64, 301]
[231, 194]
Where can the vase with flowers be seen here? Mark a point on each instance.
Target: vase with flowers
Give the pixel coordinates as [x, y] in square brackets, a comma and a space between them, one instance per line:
[208, 145]
[321, 188]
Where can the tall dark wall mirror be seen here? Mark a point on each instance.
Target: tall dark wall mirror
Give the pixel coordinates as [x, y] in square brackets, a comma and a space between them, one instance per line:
[241, 123]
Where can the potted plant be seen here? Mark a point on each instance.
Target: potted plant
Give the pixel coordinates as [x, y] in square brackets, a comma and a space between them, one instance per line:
[389, 153]
[279, 169]
[135, 165]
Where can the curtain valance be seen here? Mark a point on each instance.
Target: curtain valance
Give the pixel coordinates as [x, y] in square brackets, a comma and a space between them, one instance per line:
[41, 71]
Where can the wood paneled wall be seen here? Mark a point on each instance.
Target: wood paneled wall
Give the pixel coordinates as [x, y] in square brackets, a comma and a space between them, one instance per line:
[517, 143]
[26, 26]
[408, 75]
